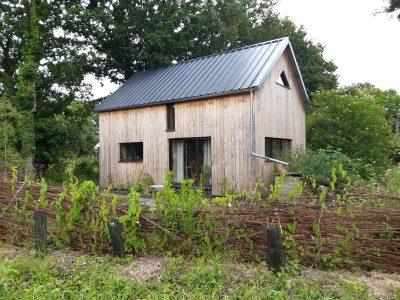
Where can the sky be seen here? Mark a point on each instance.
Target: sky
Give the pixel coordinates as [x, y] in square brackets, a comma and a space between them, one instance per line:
[363, 43]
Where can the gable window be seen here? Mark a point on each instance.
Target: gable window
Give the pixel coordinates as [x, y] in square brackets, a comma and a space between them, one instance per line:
[131, 152]
[274, 146]
[282, 80]
[170, 117]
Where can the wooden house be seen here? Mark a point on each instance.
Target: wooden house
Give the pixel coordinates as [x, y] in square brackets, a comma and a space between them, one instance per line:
[216, 118]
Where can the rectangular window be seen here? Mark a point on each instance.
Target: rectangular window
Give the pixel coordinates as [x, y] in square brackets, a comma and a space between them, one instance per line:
[170, 117]
[131, 152]
[274, 146]
[191, 158]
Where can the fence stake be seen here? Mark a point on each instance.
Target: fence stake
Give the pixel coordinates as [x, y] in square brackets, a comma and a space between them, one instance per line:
[275, 255]
[115, 230]
[40, 230]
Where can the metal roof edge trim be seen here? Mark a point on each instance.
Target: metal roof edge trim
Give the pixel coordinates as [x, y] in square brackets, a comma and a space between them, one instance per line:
[299, 77]
[284, 46]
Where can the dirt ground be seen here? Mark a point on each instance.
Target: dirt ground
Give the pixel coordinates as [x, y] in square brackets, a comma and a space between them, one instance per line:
[149, 268]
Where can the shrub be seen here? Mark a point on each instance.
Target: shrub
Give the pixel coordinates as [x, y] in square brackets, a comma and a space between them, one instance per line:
[86, 167]
[318, 164]
[143, 183]
[391, 180]
[352, 124]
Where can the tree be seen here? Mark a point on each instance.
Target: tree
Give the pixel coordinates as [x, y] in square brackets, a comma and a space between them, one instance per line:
[130, 38]
[47, 48]
[42, 69]
[26, 83]
[388, 99]
[352, 124]
[9, 118]
[394, 6]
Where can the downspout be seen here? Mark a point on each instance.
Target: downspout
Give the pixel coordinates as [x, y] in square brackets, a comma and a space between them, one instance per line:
[252, 141]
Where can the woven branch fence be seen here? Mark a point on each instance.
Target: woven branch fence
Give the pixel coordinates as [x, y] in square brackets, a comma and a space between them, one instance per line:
[365, 235]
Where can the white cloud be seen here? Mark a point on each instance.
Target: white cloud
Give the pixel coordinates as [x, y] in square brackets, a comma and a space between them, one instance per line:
[364, 45]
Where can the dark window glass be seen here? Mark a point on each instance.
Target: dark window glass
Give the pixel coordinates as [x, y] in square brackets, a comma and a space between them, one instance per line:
[191, 159]
[274, 146]
[131, 152]
[282, 80]
[170, 117]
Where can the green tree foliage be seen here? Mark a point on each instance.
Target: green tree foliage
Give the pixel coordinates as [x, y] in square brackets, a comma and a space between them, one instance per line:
[352, 124]
[42, 69]
[26, 82]
[394, 6]
[388, 99]
[129, 38]
[9, 118]
[47, 48]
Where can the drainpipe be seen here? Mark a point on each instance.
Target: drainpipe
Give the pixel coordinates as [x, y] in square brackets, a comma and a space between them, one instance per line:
[252, 141]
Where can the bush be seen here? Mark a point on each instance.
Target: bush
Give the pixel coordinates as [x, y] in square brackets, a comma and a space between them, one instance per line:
[318, 164]
[391, 180]
[143, 183]
[86, 168]
[83, 168]
[352, 124]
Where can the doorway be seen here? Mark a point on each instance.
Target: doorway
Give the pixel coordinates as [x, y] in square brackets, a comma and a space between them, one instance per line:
[190, 158]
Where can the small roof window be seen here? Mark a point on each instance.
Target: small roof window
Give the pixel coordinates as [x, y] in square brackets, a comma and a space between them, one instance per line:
[282, 80]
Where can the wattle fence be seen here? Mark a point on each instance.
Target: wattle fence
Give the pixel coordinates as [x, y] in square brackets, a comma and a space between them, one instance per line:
[366, 235]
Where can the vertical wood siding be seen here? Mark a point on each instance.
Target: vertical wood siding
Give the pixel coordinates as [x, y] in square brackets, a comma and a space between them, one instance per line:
[279, 112]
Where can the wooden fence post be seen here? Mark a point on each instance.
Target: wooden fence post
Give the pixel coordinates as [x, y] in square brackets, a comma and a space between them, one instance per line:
[275, 255]
[115, 230]
[40, 230]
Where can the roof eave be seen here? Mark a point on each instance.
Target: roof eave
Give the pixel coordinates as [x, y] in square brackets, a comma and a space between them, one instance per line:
[201, 97]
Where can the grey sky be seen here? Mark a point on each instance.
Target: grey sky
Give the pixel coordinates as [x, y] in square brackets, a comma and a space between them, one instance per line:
[364, 45]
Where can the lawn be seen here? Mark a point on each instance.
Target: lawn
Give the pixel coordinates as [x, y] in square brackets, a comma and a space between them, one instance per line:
[73, 275]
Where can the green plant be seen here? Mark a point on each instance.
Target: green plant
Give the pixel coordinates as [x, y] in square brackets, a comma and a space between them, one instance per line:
[143, 183]
[42, 202]
[275, 189]
[318, 164]
[130, 223]
[390, 181]
[86, 168]
[353, 123]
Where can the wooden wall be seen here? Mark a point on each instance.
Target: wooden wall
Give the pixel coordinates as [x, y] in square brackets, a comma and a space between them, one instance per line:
[279, 112]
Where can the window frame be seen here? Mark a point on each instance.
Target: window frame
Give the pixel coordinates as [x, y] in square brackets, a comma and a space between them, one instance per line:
[170, 117]
[269, 152]
[140, 144]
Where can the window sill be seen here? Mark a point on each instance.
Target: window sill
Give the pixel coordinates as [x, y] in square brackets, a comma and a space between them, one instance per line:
[286, 87]
[131, 161]
[169, 130]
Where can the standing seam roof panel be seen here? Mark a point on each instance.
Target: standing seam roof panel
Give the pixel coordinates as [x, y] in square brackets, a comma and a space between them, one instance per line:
[223, 73]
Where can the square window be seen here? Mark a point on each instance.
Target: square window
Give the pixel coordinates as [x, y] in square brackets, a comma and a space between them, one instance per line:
[131, 152]
[274, 146]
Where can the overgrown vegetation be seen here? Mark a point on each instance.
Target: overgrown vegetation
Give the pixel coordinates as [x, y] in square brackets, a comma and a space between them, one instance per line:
[211, 278]
[184, 221]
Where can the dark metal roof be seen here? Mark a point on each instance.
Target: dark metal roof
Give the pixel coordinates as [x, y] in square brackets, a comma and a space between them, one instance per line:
[229, 72]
